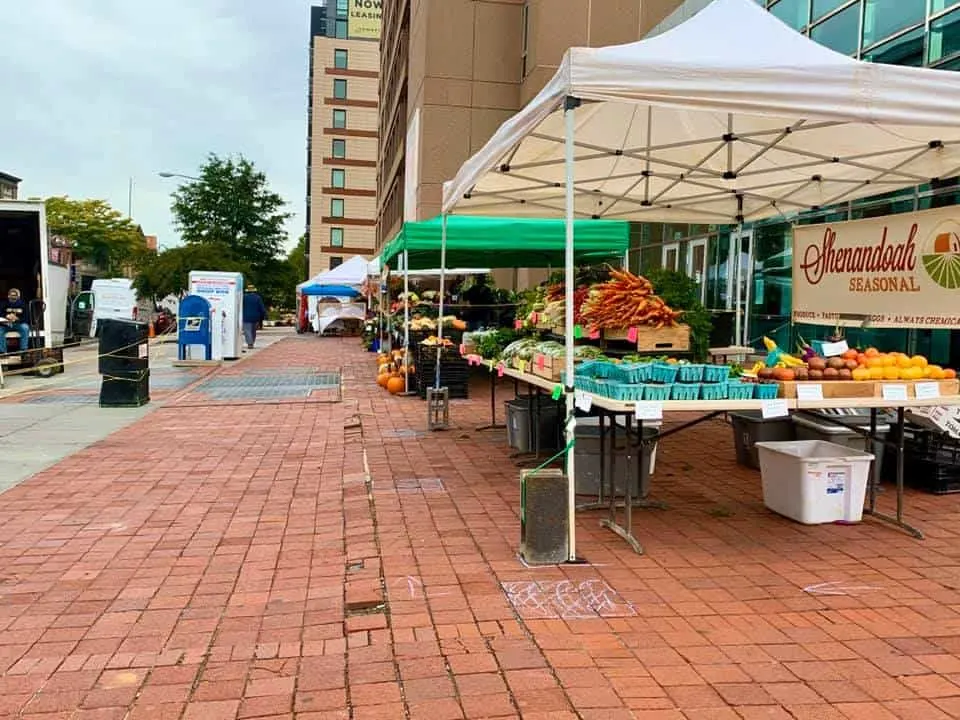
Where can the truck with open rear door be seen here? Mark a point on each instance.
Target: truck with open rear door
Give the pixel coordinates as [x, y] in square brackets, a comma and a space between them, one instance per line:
[26, 264]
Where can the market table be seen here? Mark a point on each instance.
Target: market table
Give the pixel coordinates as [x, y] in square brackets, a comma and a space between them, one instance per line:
[609, 409]
[711, 409]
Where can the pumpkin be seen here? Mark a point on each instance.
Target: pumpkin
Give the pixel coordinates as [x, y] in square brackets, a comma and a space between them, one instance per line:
[396, 384]
[383, 379]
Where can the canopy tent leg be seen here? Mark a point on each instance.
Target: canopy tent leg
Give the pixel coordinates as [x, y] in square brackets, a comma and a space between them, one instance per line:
[443, 284]
[569, 421]
[406, 323]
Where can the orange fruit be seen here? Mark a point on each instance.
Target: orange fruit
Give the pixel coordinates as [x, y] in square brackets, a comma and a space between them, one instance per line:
[874, 361]
[850, 354]
[888, 361]
[911, 373]
[871, 352]
[919, 361]
[861, 373]
[876, 372]
[903, 361]
[936, 372]
[890, 372]
[949, 374]
[862, 359]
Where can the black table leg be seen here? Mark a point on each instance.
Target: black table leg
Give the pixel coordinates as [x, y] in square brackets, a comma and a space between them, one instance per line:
[493, 404]
[898, 519]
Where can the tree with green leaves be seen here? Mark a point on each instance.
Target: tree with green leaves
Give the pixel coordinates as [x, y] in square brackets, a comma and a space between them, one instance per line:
[231, 205]
[98, 233]
[298, 259]
[168, 272]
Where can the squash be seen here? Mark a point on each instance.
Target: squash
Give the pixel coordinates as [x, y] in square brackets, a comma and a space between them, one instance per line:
[396, 384]
[383, 379]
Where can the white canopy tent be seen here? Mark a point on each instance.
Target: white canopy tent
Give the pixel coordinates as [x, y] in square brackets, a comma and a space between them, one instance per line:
[353, 273]
[729, 117]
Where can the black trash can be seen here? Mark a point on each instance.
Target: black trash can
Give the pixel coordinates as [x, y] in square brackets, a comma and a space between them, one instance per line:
[587, 461]
[750, 427]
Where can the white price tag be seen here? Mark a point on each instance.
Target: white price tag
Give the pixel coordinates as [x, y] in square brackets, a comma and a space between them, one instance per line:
[809, 391]
[927, 390]
[582, 401]
[835, 349]
[896, 393]
[774, 409]
[647, 410]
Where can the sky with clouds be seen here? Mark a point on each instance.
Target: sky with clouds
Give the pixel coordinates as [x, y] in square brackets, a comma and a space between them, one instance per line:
[100, 91]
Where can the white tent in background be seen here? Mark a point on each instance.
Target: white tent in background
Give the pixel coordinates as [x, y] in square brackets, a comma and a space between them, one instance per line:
[352, 273]
[729, 117]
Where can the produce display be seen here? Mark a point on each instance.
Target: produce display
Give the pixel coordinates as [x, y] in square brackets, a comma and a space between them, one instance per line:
[421, 322]
[864, 365]
[626, 300]
[391, 370]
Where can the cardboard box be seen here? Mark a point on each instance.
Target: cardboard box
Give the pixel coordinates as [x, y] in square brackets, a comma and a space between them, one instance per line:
[945, 419]
[833, 389]
[651, 339]
[547, 366]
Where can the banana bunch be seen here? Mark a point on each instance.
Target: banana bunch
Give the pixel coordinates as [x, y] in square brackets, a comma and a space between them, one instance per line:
[776, 356]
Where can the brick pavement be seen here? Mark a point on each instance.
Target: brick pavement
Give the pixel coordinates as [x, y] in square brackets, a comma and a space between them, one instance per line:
[325, 560]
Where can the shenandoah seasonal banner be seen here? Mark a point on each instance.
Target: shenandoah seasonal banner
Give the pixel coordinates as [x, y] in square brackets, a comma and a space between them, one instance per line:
[897, 271]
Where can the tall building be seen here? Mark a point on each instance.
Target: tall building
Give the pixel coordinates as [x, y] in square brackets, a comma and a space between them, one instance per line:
[9, 186]
[342, 132]
[453, 70]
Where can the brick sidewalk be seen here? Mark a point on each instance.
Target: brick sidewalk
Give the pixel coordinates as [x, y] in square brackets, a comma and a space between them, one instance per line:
[326, 560]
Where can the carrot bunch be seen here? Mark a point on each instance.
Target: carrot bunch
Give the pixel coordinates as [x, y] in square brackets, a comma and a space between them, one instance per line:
[626, 300]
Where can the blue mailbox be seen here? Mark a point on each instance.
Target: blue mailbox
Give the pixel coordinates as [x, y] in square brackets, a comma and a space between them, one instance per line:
[193, 325]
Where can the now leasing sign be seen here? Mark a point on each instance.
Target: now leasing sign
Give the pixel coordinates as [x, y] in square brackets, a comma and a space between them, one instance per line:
[898, 271]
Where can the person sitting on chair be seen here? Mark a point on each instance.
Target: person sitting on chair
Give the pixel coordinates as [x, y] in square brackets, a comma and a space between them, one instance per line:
[13, 316]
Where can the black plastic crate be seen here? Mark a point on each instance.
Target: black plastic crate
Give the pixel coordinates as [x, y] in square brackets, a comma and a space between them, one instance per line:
[931, 461]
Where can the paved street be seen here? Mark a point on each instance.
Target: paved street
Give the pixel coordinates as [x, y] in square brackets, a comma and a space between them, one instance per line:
[255, 548]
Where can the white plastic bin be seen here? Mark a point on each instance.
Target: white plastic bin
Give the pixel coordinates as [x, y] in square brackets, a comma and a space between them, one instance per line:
[813, 482]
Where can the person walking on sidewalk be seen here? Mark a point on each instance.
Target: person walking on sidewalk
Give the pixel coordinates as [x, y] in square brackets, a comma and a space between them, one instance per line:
[254, 313]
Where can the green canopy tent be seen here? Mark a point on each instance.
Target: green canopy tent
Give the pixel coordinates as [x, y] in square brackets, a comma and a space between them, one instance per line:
[495, 242]
[474, 241]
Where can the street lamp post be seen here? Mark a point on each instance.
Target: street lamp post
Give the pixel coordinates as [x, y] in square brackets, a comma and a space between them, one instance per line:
[177, 175]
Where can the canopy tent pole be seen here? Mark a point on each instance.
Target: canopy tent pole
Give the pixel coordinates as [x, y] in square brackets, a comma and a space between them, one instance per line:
[569, 422]
[443, 270]
[406, 321]
[737, 271]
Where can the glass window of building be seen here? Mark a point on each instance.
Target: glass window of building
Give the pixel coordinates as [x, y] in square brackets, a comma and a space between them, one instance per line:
[336, 207]
[907, 49]
[795, 13]
[342, 7]
[938, 5]
[883, 18]
[340, 119]
[822, 7]
[338, 178]
[341, 29]
[340, 58]
[336, 237]
[840, 32]
[340, 89]
[944, 39]
[339, 148]
[335, 262]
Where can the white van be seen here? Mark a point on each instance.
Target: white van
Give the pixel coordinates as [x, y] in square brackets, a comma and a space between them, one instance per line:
[116, 299]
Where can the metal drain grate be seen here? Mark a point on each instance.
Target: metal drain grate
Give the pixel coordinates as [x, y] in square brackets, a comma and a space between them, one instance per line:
[420, 485]
[279, 385]
[65, 399]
